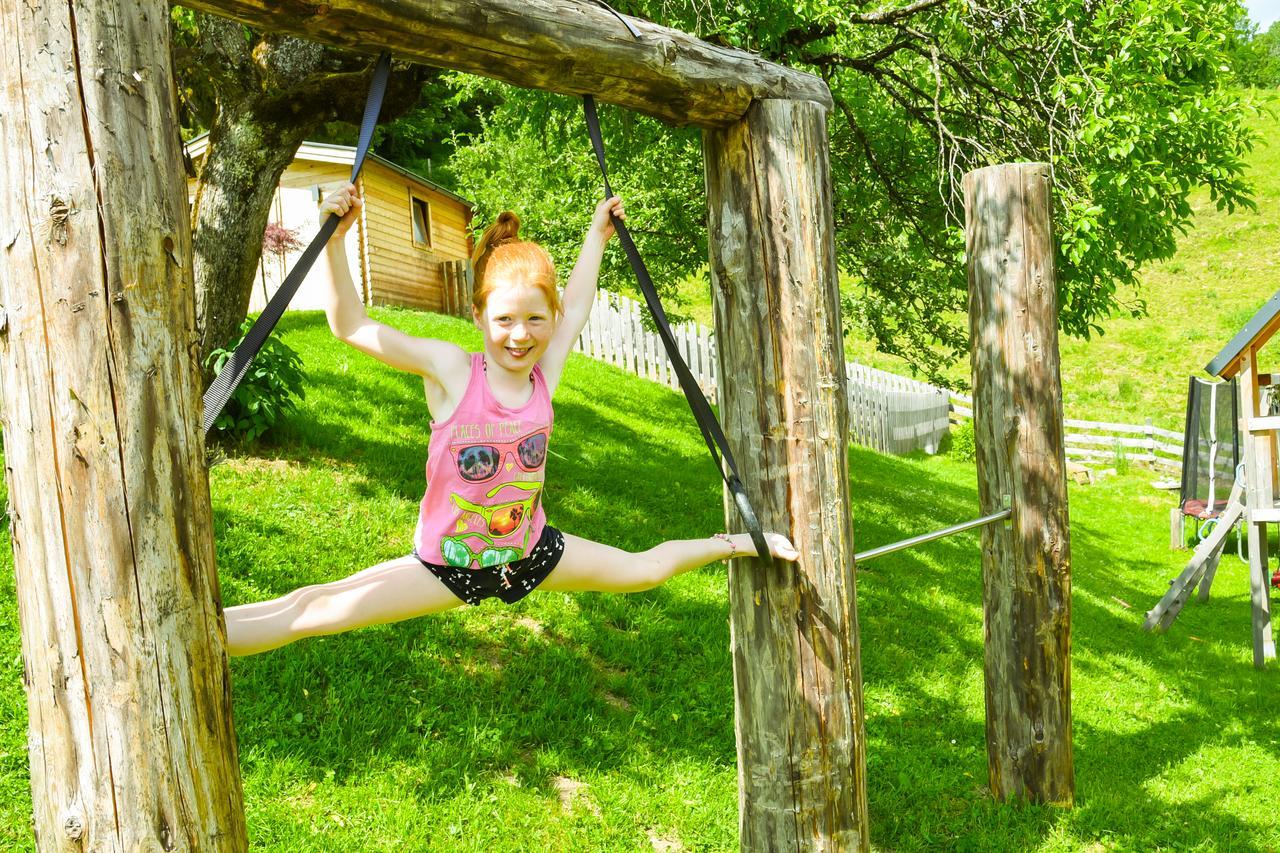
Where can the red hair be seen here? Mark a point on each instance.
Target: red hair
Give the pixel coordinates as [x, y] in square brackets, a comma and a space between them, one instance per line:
[500, 254]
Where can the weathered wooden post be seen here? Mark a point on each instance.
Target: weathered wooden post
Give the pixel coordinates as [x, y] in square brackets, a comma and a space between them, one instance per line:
[797, 676]
[130, 736]
[1017, 411]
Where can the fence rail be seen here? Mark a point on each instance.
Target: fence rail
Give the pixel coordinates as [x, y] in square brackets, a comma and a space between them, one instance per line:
[1101, 441]
[887, 412]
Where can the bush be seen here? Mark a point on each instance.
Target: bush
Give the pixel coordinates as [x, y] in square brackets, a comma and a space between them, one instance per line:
[962, 441]
[267, 391]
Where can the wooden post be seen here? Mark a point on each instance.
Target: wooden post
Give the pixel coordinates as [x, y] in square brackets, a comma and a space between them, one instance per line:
[797, 677]
[130, 734]
[1259, 467]
[1018, 432]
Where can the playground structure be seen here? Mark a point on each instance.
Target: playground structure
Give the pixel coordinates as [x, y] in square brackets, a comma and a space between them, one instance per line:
[131, 736]
[1252, 500]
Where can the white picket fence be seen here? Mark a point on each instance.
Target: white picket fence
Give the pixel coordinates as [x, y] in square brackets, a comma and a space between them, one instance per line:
[889, 413]
[1100, 442]
[616, 335]
[894, 414]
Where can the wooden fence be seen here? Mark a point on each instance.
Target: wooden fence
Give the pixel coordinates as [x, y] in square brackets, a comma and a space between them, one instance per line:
[894, 414]
[1096, 442]
[889, 413]
[615, 333]
[458, 281]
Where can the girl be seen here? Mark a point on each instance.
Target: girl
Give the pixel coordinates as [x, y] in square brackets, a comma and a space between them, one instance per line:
[481, 529]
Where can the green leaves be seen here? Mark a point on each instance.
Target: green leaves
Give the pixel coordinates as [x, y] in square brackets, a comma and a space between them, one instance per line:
[265, 394]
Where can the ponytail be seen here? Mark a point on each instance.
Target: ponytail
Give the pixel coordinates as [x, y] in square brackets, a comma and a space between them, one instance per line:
[501, 251]
[504, 230]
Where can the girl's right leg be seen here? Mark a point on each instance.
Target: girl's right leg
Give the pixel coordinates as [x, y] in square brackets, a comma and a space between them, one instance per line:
[388, 592]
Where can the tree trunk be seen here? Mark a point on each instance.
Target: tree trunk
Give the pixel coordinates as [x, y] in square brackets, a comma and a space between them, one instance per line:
[238, 183]
[130, 727]
[797, 676]
[271, 95]
[1017, 411]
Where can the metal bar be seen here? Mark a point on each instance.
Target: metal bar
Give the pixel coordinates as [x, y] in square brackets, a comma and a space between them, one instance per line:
[929, 537]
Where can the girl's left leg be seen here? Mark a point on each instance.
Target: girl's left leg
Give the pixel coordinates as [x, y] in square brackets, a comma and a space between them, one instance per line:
[591, 566]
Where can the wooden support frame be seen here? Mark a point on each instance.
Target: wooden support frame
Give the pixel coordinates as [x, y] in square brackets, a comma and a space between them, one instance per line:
[796, 667]
[574, 47]
[1260, 493]
[146, 753]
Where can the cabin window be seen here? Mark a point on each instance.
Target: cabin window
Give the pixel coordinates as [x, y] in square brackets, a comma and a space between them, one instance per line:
[421, 222]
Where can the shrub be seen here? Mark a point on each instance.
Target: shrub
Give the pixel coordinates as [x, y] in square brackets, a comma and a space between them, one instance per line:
[267, 391]
[1122, 458]
[962, 445]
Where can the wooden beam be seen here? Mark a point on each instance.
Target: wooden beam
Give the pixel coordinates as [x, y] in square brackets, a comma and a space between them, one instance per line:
[1018, 432]
[797, 676]
[130, 734]
[574, 47]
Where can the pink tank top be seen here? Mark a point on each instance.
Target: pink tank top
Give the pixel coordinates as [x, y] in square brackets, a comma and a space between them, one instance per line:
[485, 471]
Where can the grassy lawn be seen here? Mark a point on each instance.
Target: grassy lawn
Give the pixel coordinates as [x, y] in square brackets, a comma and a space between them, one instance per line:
[597, 722]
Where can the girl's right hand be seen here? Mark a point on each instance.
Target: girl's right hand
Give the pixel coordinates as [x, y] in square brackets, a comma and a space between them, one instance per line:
[345, 201]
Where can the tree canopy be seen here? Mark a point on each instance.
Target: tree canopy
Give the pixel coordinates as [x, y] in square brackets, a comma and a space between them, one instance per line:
[1255, 56]
[1131, 101]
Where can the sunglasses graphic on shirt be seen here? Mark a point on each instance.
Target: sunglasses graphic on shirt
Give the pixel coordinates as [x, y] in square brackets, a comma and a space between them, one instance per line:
[458, 553]
[478, 463]
[501, 519]
[504, 518]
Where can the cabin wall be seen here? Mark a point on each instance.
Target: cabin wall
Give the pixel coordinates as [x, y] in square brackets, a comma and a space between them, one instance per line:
[386, 265]
[402, 272]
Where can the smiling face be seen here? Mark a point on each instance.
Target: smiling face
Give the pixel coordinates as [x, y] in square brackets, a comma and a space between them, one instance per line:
[517, 323]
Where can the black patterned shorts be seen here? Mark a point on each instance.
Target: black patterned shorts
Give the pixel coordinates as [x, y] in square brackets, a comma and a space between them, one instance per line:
[511, 582]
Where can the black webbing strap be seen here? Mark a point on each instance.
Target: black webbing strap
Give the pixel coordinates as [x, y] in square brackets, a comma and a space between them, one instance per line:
[224, 384]
[630, 28]
[711, 432]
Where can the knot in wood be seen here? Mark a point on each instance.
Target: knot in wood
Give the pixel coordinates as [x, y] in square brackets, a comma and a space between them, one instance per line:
[73, 826]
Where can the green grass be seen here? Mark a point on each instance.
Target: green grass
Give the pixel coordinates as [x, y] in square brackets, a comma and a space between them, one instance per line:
[459, 731]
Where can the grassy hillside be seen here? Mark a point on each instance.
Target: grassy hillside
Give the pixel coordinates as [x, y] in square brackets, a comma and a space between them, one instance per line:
[1226, 267]
[605, 722]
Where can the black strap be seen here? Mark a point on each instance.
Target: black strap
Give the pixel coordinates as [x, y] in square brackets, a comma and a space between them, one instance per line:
[631, 29]
[711, 432]
[224, 384]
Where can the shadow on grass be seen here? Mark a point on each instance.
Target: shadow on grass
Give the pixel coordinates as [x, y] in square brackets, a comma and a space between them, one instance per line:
[920, 623]
[473, 694]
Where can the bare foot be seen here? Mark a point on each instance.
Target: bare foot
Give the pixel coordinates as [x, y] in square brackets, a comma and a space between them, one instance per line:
[779, 546]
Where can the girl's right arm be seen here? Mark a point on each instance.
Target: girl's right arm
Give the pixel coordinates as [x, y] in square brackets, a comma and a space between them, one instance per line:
[351, 324]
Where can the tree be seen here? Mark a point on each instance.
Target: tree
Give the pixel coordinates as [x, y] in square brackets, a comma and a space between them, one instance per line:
[1127, 99]
[1255, 57]
[259, 96]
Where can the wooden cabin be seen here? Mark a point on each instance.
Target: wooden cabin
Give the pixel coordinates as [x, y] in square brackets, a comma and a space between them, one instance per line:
[410, 247]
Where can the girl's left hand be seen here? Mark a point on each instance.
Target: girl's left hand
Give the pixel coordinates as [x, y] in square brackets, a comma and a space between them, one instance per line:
[601, 223]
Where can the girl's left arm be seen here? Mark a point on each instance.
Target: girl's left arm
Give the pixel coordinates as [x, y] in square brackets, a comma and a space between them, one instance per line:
[580, 292]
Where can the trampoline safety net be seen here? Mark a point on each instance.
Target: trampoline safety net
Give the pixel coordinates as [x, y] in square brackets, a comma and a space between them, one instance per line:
[1210, 448]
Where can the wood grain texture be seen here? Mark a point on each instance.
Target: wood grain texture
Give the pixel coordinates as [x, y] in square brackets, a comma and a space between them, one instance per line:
[1260, 494]
[130, 733]
[797, 676]
[574, 47]
[1018, 432]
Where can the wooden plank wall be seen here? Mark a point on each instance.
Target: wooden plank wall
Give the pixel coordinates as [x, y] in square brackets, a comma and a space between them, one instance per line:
[403, 273]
